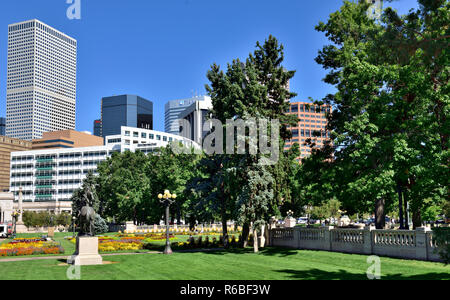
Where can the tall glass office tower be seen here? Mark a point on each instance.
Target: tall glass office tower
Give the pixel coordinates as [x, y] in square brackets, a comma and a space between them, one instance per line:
[41, 80]
[125, 110]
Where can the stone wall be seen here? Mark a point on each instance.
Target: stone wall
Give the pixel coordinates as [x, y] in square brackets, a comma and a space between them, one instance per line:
[411, 244]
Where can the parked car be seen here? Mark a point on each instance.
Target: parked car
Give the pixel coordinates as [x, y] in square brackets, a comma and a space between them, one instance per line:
[302, 220]
[5, 230]
[369, 221]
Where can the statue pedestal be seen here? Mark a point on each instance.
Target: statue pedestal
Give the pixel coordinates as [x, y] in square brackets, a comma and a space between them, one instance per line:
[289, 222]
[86, 253]
[21, 228]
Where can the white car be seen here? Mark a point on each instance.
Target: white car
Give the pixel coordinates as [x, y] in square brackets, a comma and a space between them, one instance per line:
[302, 221]
[4, 231]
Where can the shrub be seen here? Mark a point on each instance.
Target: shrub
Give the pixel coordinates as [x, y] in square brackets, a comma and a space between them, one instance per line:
[100, 225]
[442, 237]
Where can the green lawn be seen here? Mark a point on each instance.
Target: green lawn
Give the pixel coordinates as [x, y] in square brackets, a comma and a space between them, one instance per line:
[270, 264]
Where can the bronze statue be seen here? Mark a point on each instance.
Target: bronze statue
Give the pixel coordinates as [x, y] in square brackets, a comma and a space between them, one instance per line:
[87, 215]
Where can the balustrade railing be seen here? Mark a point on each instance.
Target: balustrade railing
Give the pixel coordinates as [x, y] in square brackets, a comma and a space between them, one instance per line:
[411, 244]
[395, 238]
[355, 236]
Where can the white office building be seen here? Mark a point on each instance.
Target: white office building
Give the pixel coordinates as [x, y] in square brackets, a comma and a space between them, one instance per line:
[173, 110]
[196, 115]
[41, 80]
[49, 177]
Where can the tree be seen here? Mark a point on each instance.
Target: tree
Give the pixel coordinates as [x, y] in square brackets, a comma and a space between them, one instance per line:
[124, 187]
[388, 125]
[255, 89]
[173, 172]
[215, 191]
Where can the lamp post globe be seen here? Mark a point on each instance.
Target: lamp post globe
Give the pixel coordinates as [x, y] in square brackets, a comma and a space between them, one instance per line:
[166, 200]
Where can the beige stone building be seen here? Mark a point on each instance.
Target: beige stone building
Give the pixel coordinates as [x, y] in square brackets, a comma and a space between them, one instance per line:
[8, 145]
[66, 139]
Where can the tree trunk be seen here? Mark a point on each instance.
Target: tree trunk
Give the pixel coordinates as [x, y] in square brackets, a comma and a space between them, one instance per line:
[245, 233]
[417, 219]
[406, 211]
[267, 235]
[380, 218]
[262, 237]
[400, 206]
[255, 240]
[225, 231]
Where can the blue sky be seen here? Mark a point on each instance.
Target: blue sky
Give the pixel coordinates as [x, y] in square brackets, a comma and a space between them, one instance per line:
[162, 49]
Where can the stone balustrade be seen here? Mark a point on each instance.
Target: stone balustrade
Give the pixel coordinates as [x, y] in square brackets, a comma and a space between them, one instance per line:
[410, 244]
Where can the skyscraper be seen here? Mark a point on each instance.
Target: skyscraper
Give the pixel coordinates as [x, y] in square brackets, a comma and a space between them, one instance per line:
[174, 108]
[125, 110]
[41, 80]
[2, 126]
[196, 114]
[98, 127]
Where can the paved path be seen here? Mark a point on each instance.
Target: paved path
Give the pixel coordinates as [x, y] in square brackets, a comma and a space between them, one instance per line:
[66, 256]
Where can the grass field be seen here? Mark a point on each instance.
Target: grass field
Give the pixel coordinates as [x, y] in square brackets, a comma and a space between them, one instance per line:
[270, 264]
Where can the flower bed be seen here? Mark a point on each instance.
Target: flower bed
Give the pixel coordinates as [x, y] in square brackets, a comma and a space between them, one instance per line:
[124, 242]
[30, 246]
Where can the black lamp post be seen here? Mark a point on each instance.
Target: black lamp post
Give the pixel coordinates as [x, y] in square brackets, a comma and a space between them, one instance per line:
[15, 214]
[166, 199]
[73, 225]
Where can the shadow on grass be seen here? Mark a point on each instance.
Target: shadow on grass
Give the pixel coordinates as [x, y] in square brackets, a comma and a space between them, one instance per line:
[282, 252]
[316, 274]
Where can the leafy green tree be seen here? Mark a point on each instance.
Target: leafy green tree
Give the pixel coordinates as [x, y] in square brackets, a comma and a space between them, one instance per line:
[215, 191]
[388, 125]
[124, 187]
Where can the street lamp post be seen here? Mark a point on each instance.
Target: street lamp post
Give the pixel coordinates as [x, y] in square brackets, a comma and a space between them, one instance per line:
[73, 225]
[15, 214]
[166, 199]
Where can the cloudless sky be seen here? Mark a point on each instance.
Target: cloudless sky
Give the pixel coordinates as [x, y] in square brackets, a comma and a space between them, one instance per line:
[162, 49]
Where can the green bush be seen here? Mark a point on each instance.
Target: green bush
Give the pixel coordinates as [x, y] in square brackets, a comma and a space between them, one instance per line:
[100, 225]
[442, 237]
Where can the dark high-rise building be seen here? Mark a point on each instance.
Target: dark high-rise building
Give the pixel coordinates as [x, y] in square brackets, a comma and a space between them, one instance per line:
[98, 127]
[2, 126]
[125, 110]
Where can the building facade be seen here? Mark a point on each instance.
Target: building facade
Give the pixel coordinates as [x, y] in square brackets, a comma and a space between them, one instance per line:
[67, 139]
[41, 80]
[3, 126]
[173, 109]
[125, 110]
[196, 114]
[49, 177]
[98, 128]
[311, 118]
[8, 145]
